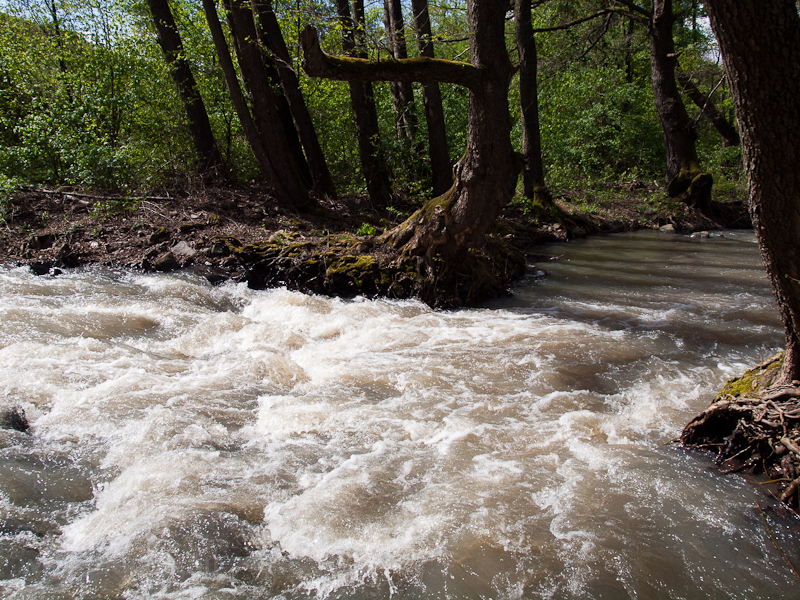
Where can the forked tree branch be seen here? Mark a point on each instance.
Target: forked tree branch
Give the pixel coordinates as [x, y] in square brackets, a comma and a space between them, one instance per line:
[423, 70]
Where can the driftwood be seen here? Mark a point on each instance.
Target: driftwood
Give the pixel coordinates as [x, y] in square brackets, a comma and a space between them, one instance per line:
[754, 424]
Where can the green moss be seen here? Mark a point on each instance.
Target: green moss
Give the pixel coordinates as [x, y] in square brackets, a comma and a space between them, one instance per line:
[753, 380]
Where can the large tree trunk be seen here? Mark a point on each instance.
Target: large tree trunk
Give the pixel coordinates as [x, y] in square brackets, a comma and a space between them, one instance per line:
[685, 179]
[730, 137]
[533, 175]
[760, 44]
[272, 37]
[365, 115]
[288, 182]
[402, 91]
[486, 175]
[199, 126]
[441, 171]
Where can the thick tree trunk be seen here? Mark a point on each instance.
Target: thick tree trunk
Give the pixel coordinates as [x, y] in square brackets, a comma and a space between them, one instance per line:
[272, 37]
[685, 179]
[238, 100]
[199, 126]
[288, 184]
[486, 175]
[760, 44]
[730, 137]
[441, 171]
[533, 174]
[402, 91]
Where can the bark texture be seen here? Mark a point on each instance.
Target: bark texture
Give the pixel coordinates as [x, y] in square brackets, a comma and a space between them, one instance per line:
[199, 126]
[760, 44]
[402, 91]
[486, 175]
[533, 174]
[730, 137]
[272, 37]
[288, 182]
[365, 115]
[685, 179]
[441, 171]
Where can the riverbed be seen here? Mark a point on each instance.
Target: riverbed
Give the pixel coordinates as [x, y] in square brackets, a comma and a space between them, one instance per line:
[192, 441]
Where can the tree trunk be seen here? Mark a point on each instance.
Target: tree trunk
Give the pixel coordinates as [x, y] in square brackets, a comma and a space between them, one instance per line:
[760, 44]
[402, 91]
[199, 126]
[288, 184]
[441, 171]
[685, 178]
[533, 174]
[486, 175]
[730, 137]
[238, 100]
[365, 115]
[272, 37]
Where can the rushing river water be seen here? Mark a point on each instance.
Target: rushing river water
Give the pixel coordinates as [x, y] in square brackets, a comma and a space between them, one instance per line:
[191, 441]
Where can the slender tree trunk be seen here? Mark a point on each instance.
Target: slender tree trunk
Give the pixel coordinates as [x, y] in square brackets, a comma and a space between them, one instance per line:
[289, 184]
[760, 44]
[272, 37]
[235, 91]
[685, 178]
[442, 173]
[730, 137]
[365, 115]
[533, 174]
[402, 91]
[199, 125]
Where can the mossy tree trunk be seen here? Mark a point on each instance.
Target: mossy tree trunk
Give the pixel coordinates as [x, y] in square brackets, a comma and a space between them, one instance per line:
[486, 175]
[760, 44]
[438, 149]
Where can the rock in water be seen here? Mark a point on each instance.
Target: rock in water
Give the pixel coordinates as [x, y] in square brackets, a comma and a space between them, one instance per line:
[14, 418]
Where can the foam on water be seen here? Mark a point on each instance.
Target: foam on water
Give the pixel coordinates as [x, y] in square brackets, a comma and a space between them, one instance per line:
[199, 442]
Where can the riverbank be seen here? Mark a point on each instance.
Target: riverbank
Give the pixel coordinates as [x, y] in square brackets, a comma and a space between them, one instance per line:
[245, 235]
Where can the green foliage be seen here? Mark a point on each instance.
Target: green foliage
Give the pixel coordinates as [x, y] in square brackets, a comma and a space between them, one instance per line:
[8, 187]
[366, 230]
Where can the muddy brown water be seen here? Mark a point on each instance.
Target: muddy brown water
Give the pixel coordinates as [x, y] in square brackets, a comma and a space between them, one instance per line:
[191, 441]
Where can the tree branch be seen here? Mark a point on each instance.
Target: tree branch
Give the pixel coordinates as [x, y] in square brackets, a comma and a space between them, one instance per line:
[635, 8]
[601, 13]
[423, 70]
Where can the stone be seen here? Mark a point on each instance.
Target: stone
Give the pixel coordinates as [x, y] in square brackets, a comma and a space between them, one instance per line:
[166, 262]
[669, 228]
[159, 235]
[182, 248]
[14, 418]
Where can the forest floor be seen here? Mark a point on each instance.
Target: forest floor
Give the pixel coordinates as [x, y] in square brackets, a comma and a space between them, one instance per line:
[245, 235]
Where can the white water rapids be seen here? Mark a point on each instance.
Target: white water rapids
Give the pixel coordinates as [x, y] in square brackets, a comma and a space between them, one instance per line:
[191, 441]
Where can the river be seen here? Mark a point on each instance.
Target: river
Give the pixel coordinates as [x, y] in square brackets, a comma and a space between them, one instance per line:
[190, 441]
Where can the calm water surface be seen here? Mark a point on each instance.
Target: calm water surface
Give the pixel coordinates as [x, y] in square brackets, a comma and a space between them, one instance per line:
[197, 442]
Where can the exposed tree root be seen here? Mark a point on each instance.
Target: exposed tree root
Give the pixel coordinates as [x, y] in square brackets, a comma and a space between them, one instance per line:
[754, 424]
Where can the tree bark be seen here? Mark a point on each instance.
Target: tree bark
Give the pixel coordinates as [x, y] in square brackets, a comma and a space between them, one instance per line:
[402, 91]
[533, 174]
[272, 37]
[486, 175]
[365, 115]
[199, 126]
[441, 171]
[760, 44]
[685, 179]
[238, 99]
[288, 180]
[730, 137]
